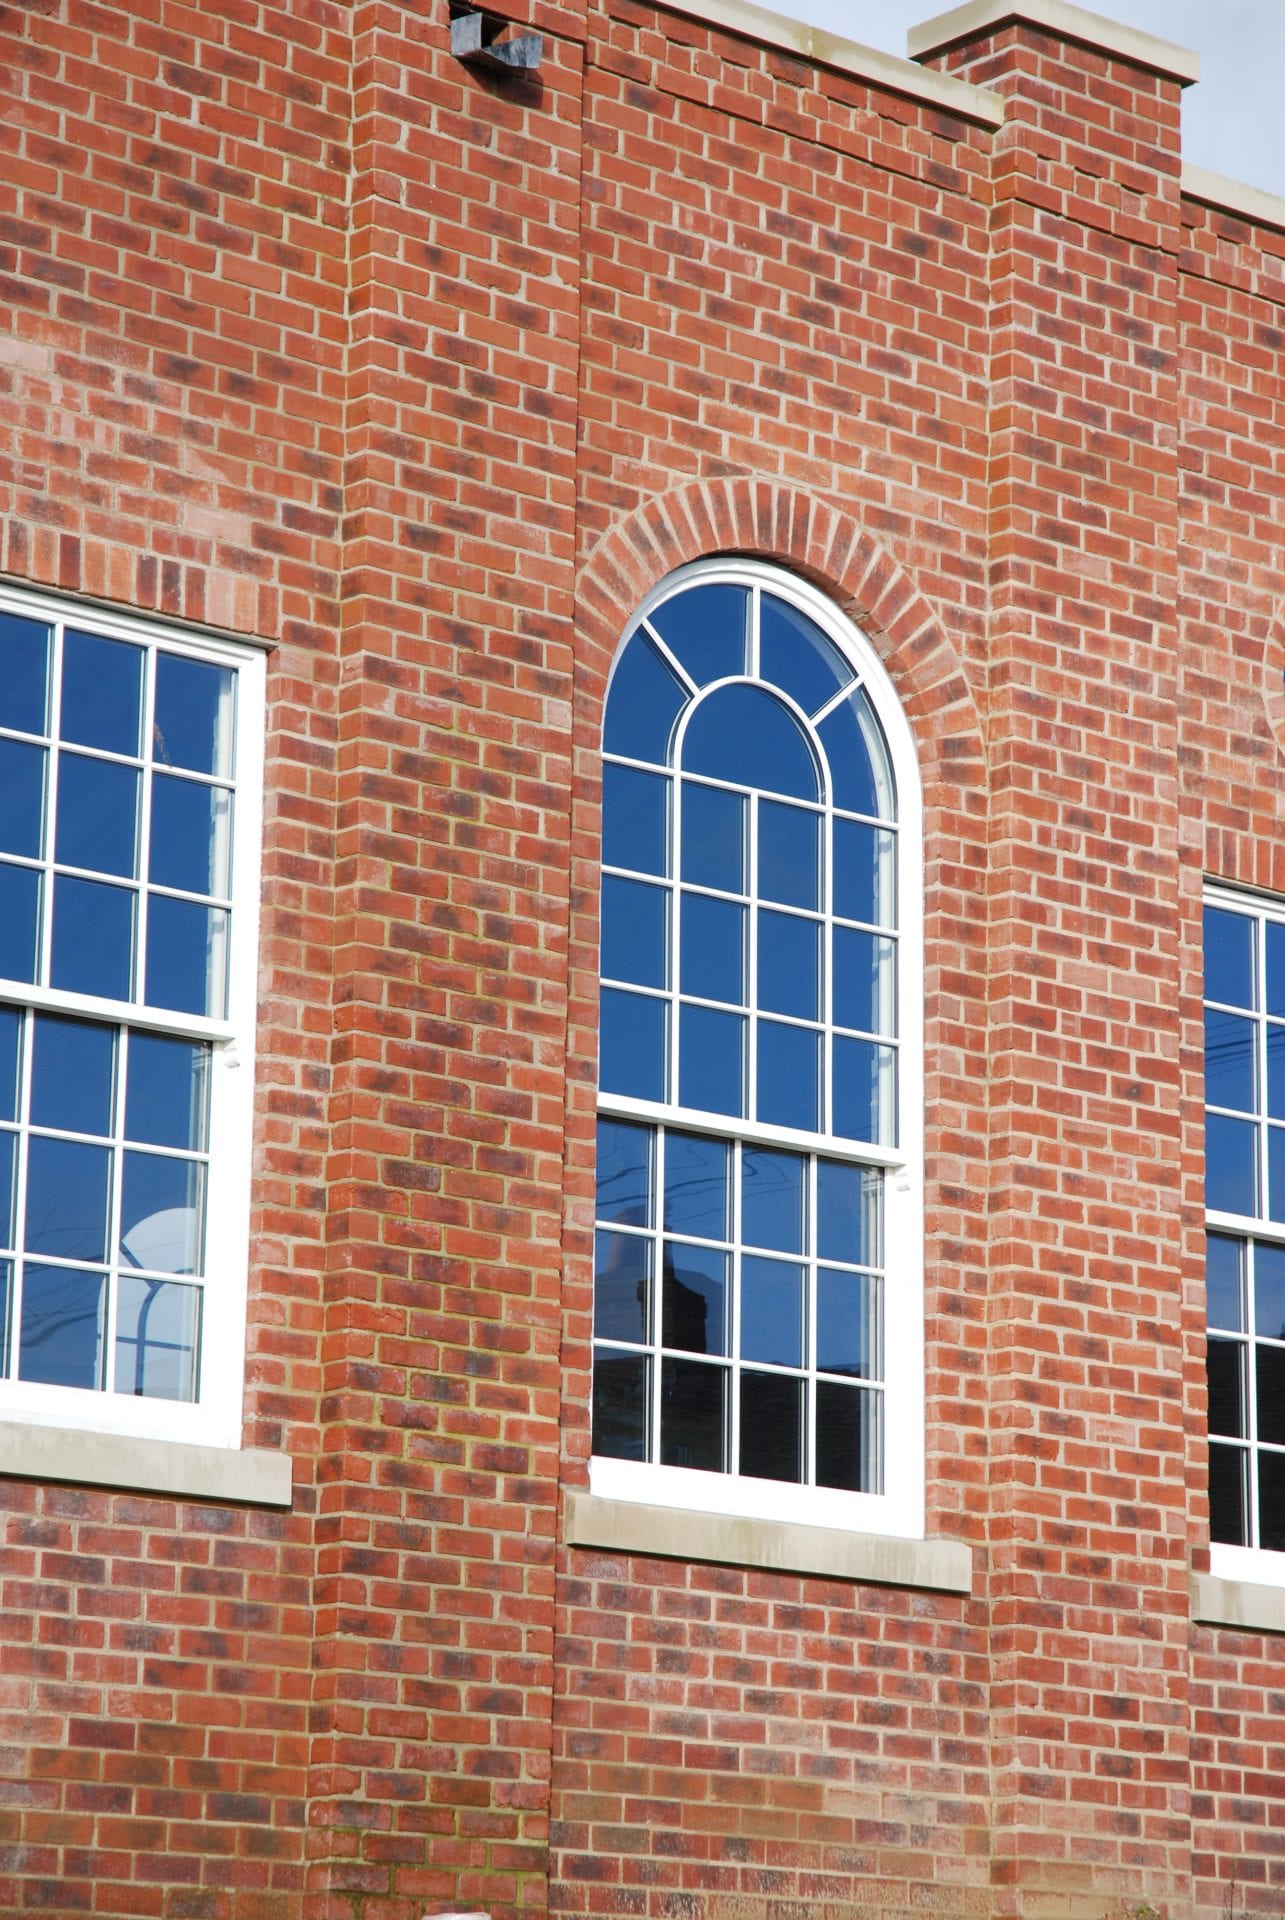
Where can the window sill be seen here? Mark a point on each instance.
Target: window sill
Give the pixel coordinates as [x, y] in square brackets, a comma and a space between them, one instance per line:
[1255, 1608]
[251, 1476]
[671, 1533]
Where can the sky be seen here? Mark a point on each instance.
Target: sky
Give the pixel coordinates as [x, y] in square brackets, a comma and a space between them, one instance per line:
[1233, 119]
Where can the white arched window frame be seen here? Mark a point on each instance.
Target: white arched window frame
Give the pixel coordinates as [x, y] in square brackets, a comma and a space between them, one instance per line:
[889, 1496]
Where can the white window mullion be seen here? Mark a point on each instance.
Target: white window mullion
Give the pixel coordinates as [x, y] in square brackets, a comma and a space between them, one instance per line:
[732, 1375]
[756, 624]
[1251, 1393]
[144, 825]
[22, 1112]
[750, 880]
[810, 1364]
[53, 721]
[670, 658]
[115, 1219]
[654, 1332]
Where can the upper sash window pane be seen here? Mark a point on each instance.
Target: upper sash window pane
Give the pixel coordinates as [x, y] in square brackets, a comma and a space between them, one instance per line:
[744, 735]
[645, 701]
[705, 630]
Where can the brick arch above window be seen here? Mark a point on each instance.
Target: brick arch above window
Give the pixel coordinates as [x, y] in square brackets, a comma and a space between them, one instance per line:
[766, 520]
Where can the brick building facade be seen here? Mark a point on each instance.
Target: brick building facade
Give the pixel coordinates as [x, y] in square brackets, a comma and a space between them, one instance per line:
[354, 398]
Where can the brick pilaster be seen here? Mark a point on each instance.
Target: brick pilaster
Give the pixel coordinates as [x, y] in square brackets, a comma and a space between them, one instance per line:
[1089, 1527]
[430, 1767]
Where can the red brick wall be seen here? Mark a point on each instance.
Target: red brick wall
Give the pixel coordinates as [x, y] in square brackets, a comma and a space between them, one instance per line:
[172, 270]
[1232, 657]
[314, 334]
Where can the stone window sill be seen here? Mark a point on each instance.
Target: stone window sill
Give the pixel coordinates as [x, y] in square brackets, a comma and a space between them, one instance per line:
[251, 1476]
[1237, 1603]
[623, 1526]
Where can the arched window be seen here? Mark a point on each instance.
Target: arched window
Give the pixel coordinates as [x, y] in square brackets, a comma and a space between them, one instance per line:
[757, 1294]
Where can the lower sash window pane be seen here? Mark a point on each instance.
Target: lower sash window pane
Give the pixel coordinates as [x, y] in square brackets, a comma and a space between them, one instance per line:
[772, 1426]
[693, 1415]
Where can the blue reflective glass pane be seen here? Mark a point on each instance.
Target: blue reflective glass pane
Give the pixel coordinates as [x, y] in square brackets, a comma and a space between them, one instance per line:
[63, 1323]
[696, 1296]
[789, 964]
[97, 815]
[10, 1061]
[621, 1286]
[1276, 1173]
[772, 1427]
[24, 674]
[1229, 957]
[713, 949]
[849, 1445]
[705, 630]
[697, 1187]
[865, 981]
[713, 829]
[774, 1200]
[849, 1213]
[711, 1055]
[167, 1092]
[93, 938]
[1275, 1071]
[744, 734]
[635, 932]
[789, 1075]
[1274, 984]
[1224, 1282]
[795, 655]
[162, 1213]
[1231, 1165]
[158, 1327]
[193, 727]
[633, 1040]
[644, 702]
[621, 1404]
[860, 772]
[73, 1073]
[848, 1324]
[19, 922]
[1228, 1495]
[693, 1415]
[771, 1311]
[865, 1106]
[864, 873]
[8, 1171]
[1269, 1290]
[67, 1189]
[22, 798]
[789, 855]
[191, 836]
[635, 819]
[102, 691]
[1229, 1061]
[626, 1181]
[186, 956]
